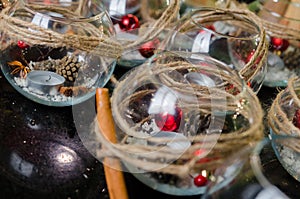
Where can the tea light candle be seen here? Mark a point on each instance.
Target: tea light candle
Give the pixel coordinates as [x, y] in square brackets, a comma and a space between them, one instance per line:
[44, 82]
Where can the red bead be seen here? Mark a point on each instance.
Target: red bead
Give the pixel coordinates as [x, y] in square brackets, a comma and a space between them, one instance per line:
[250, 55]
[279, 44]
[148, 48]
[129, 22]
[22, 44]
[169, 122]
[200, 180]
[296, 118]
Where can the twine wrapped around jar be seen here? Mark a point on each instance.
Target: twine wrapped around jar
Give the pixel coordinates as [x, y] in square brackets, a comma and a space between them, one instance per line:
[274, 28]
[239, 18]
[282, 114]
[97, 41]
[93, 40]
[132, 148]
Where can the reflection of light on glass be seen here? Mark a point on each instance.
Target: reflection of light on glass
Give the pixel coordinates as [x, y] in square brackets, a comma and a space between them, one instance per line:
[65, 155]
[21, 166]
[204, 173]
[163, 101]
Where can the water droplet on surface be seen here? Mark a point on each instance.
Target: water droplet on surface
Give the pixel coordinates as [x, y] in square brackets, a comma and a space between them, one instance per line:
[32, 122]
[85, 176]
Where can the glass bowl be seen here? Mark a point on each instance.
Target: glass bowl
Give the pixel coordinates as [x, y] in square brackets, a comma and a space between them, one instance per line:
[282, 23]
[284, 120]
[259, 175]
[179, 117]
[232, 36]
[57, 53]
[141, 33]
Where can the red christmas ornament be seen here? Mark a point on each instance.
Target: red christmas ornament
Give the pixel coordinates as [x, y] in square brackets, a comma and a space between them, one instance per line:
[129, 22]
[169, 122]
[296, 119]
[279, 44]
[210, 27]
[148, 48]
[200, 180]
[22, 44]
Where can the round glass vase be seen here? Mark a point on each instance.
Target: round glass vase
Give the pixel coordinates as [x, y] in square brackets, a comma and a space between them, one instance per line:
[284, 120]
[260, 174]
[231, 36]
[57, 53]
[141, 33]
[282, 22]
[179, 118]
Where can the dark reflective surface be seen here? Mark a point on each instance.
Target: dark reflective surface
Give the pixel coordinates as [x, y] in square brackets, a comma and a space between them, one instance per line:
[41, 154]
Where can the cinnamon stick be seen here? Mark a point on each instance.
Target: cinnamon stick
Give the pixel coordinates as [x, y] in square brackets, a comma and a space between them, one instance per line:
[112, 167]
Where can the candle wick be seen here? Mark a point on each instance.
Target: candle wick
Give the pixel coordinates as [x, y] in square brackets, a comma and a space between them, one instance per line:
[47, 80]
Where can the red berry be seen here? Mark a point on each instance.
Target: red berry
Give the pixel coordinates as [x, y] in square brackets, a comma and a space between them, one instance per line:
[169, 122]
[22, 44]
[129, 22]
[200, 180]
[279, 44]
[296, 118]
[148, 48]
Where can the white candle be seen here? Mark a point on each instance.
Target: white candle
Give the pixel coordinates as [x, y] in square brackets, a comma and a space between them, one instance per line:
[44, 82]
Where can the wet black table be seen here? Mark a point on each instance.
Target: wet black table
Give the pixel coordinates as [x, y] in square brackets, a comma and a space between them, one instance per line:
[42, 156]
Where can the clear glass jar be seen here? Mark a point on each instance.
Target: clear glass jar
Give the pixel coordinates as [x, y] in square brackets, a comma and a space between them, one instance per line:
[281, 20]
[178, 118]
[284, 120]
[141, 33]
[258, 175]
[232, 36]
[57, 53]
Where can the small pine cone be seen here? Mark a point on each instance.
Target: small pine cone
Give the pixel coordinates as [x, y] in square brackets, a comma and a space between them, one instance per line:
[291, 59]
[69, 68]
